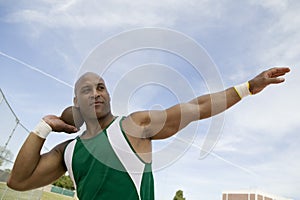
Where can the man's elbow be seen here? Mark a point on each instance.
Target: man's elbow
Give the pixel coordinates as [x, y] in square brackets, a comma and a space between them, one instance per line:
[15, 185]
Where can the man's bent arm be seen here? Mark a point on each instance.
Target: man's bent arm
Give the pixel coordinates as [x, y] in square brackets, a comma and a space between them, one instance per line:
[31, 169]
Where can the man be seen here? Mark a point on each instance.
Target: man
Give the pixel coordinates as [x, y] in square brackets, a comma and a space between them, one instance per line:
[112, 158]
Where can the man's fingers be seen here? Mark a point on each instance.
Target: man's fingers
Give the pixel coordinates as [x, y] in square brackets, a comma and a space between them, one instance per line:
[278, 71]
[275, 73]
[275, 80]
[70, 129]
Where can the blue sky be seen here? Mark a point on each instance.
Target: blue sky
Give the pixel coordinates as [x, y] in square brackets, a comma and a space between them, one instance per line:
[258, 147]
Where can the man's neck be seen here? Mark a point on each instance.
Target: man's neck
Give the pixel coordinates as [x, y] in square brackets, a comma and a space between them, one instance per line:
[94, 127]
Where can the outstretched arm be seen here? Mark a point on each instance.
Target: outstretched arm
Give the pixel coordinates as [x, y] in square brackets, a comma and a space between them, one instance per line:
[165, 123]
[31, 169]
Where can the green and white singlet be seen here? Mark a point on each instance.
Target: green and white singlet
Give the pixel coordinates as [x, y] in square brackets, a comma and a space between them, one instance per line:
[106, 167]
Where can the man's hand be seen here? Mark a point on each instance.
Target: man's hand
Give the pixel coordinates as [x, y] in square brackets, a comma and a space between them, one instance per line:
[270, 76]
[59, 125]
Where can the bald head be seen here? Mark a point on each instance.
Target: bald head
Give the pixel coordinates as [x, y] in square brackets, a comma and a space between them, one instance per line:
[87, 77]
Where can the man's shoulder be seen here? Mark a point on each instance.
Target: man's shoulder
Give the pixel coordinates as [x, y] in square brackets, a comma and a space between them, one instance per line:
[62, 146]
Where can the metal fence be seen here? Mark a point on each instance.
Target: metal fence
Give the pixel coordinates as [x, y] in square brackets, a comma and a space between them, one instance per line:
[12, 134]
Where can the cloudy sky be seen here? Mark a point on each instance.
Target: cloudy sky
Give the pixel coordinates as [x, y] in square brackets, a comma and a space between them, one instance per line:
[45, 45]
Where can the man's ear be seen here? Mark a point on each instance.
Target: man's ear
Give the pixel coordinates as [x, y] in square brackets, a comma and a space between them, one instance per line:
[75, 102]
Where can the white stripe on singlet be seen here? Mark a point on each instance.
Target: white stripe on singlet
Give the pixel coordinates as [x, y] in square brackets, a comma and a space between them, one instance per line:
[133, 165]
[68, 157]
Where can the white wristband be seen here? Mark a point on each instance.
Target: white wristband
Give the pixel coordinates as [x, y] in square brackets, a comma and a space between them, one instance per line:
[42, 129]
[243, 90]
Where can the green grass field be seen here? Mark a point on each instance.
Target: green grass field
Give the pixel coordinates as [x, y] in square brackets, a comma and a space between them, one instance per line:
[8, 194]
[51, 195]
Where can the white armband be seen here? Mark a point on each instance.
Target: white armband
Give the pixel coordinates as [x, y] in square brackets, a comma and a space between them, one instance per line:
[243, 90]
[42, 129]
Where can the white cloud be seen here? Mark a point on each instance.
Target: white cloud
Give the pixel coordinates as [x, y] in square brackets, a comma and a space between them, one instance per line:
[276, 42]
[276, 109]
[273, 5]
[79, 14]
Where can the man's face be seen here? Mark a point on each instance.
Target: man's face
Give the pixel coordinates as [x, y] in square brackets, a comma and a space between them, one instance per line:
[91, 96]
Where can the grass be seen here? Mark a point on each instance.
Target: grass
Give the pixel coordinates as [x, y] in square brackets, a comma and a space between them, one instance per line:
[51, 196]
[8, 194]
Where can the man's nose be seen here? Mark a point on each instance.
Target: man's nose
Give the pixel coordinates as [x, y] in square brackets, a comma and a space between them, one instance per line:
[96, 93]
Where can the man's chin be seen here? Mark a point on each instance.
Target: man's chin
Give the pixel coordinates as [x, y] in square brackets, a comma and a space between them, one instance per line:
[101, 115]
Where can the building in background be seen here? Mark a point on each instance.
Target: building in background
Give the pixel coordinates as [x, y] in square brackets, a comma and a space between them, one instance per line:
[250, 195]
